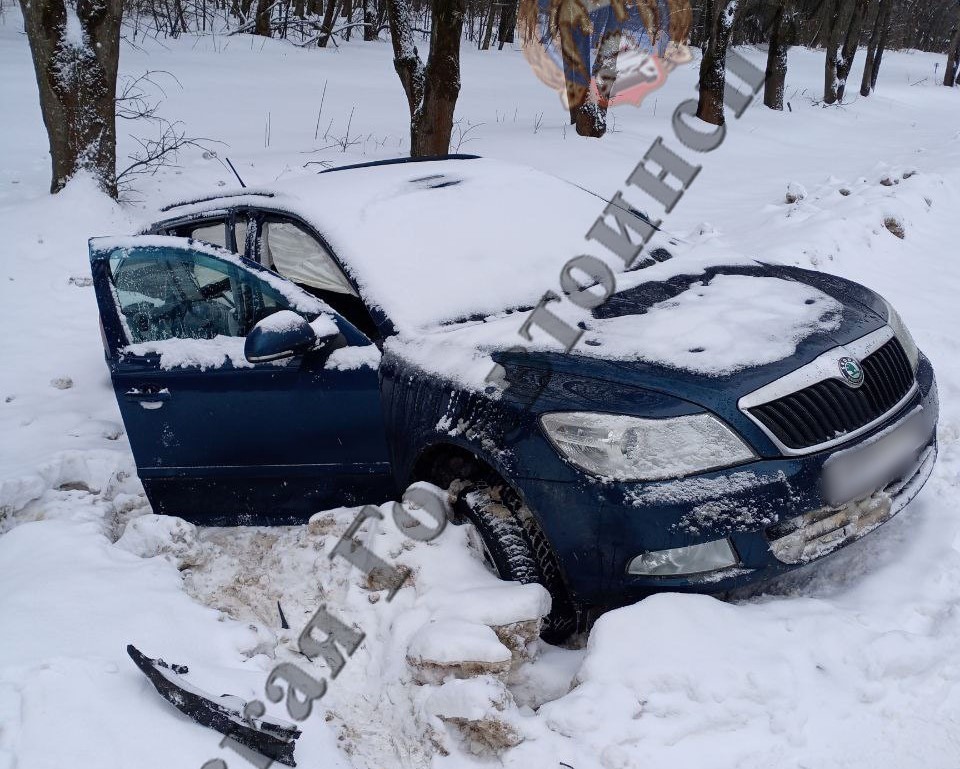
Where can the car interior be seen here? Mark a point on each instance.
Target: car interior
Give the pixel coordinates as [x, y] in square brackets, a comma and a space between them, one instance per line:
[188, 298]
[290, 250]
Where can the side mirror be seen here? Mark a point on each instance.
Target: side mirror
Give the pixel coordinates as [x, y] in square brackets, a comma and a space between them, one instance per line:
[280, 335]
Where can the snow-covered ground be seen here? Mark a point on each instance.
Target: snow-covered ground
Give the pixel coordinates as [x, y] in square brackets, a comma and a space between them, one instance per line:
[850, 663]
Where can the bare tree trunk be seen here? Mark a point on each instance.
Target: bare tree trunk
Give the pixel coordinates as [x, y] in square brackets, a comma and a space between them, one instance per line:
[700, 29]
[181, 25]
[369, 20]
[880, 24]
[950, 77]
[713, 67]
[881, 47]
[508, 23]
[776, 60]
[262, 21]
[431, 91]
[588, 110]
[326, 26]
[824, 21]
[381, 16]
[850, 44]
[830, 79]
[488, 30]
[406, 57]
[77, 80]
[590, 118]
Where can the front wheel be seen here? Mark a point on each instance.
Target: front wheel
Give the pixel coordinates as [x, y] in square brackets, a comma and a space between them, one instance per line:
[517, 550]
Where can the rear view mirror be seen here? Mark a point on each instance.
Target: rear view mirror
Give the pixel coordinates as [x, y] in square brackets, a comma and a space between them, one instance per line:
[280, 335]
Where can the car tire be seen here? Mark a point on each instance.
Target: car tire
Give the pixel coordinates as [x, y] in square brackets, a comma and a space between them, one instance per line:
[518, 550]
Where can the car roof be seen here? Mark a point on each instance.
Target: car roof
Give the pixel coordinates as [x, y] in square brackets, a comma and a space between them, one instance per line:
[436, 239]
[226, 199]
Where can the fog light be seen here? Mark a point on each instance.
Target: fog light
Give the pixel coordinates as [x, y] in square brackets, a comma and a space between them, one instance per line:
[695, 559]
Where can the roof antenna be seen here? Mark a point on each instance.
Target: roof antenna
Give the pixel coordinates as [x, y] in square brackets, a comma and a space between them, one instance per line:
[235, 173]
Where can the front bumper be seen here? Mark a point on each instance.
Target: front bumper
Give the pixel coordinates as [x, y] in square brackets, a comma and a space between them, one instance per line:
[778, 514]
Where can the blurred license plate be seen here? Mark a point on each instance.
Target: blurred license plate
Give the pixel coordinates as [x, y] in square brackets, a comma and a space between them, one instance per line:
[869, 467]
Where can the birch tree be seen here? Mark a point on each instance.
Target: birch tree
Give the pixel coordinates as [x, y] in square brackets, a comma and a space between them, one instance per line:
[76, 52]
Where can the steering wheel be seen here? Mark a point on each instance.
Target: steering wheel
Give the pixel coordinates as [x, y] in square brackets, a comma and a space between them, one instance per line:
[145, 319]
[172, 319]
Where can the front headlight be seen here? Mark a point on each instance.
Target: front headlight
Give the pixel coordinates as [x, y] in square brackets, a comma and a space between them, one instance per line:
[903, 335]
[632, 449]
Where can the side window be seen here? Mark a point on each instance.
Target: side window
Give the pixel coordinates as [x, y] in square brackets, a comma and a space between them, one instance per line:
[167, 294]
[214, 233]
[293, 252]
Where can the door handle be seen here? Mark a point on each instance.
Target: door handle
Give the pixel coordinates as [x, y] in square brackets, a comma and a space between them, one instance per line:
[148, 397]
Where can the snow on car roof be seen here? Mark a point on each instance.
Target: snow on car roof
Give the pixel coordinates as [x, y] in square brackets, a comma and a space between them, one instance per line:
[434, 241]
[464, 240]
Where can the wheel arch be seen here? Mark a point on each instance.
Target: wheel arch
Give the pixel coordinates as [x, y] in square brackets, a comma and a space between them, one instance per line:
[445, 461]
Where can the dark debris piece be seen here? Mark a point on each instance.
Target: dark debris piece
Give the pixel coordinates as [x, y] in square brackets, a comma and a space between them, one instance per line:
[226, 714]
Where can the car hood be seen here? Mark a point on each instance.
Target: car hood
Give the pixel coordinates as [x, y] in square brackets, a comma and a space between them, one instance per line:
[759, 323]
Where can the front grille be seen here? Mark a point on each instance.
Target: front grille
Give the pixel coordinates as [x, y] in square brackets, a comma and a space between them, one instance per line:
[830, 409]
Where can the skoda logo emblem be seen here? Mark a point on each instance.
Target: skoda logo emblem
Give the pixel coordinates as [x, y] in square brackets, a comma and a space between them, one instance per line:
[852, 371]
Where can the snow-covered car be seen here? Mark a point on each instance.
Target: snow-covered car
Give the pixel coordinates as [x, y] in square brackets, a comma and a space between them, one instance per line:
[336, 337]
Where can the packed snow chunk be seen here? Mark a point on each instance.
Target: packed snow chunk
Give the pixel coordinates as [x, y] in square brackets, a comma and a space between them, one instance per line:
[456, 648]
[351, 358]
[513, 611]
[499, 604]
[109, 473]
[195, 353]
[453, 640]
[731, 323]
[795, 192]
[152, 535]
[481, 709]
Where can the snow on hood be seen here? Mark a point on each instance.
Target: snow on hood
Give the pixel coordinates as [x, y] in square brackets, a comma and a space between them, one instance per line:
[715, 327]
[730, 323]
